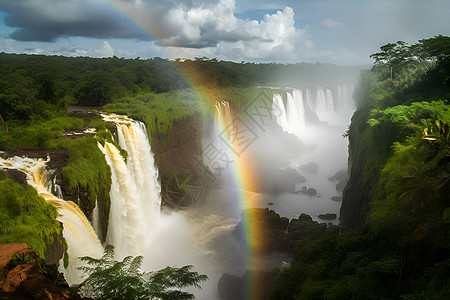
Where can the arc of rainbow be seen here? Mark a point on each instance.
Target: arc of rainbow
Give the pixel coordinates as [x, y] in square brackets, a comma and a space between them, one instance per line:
[243, 175]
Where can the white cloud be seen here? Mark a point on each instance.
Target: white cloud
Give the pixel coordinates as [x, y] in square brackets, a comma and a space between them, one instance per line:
[80, 52]
[105, 51]
[273, 38]
[330, 23]
[194, 27]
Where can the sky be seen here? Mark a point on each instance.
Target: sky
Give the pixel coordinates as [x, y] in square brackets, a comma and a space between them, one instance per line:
[343, 32]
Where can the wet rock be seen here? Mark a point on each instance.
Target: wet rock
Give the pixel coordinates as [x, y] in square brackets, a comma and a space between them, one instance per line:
[328, 216]
[336, 198]
[308, 191]
[232, 287]
[271, 230]
[55, 251]
[312, 191]
[23, 280]
[17, 176]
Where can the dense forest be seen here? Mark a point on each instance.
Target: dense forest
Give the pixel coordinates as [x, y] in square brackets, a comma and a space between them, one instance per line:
[395, 227]
[29, 84]
[37, 88]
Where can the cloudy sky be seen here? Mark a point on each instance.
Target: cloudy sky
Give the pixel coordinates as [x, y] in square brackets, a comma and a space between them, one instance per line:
[337, 31]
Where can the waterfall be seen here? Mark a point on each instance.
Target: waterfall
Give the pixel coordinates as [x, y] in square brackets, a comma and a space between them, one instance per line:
[329, 101]
[297, 96]
[329, 108]
[78, 232]
[291, 112]
[96, 218]
[292, 117]
[345, 98]
[135, 189]
[309, 100]
[280, 111]
[320, 105]
[223, 113]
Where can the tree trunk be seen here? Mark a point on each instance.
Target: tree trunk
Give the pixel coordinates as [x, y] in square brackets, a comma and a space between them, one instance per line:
[4, 124]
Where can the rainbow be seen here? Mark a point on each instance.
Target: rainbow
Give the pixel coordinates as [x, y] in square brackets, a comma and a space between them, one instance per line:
[242, 179]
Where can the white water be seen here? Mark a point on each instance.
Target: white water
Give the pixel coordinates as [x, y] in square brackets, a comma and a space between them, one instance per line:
[280, 111]
[78, 232]
[135, 189]
[216, 149]
[335, 110]
[327, 147]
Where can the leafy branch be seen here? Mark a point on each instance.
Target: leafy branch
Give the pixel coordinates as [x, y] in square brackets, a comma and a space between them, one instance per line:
[111, 279]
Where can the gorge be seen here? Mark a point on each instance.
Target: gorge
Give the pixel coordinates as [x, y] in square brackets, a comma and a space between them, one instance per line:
[245, 184]
[136, 226]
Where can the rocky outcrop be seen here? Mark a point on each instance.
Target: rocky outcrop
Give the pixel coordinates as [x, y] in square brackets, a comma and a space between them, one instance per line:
[55, 251]
[268, 230]
[328, 216]
[310, 191]
[24, 276]
[17, 176]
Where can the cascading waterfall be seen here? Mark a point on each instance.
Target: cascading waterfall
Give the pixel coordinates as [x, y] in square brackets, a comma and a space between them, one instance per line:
[223, 115]
[291, 113]
[320, 107]
[135, 189]
[309, 100]
[297, 95]
[217, 133]
[343, 98]
[291, 116]
[78, 232]
[280, 111]
[96, 218]
[329, 101]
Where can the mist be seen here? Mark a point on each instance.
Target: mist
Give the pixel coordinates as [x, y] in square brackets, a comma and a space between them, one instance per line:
[288, 167]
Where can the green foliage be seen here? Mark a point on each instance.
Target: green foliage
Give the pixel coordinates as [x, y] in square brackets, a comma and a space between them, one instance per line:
[39, 133]
[25, 217]
[393, 56]
[397, 196]
[159, 111]
[87, 167]
[186, 107]
[427, 60]
[110, 279]
[100, 88]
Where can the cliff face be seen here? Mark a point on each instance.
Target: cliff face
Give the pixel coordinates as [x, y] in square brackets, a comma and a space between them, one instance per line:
[356, 195]
[179, 150]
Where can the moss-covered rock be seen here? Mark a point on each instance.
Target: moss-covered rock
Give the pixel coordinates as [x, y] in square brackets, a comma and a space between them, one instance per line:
[25, 217]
